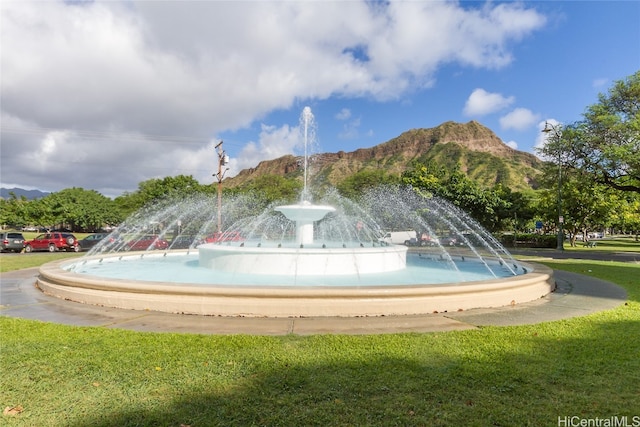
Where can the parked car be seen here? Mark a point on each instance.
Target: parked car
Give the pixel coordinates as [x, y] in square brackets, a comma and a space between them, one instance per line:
[228, 236]
[53, 242]
[92, 239]
[451, 241]
[423, 240]
[150, 241]
[183, 242]
[428, 240]
[11, 241]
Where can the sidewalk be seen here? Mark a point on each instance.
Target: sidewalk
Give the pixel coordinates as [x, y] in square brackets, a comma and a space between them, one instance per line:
[576, 295]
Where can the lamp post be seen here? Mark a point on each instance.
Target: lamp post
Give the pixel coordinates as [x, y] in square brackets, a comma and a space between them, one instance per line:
[557, 133]
[223, 159]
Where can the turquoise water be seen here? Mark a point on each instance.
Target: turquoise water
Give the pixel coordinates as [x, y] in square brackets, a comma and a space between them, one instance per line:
[184, 268]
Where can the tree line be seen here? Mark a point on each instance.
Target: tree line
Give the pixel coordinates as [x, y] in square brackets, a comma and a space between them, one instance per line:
[592, 166]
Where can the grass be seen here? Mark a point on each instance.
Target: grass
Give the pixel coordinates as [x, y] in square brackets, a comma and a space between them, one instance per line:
[619, 244]
[34, 259]
[493, 376]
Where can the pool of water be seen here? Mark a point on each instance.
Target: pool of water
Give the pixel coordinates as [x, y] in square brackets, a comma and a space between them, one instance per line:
[182, 267]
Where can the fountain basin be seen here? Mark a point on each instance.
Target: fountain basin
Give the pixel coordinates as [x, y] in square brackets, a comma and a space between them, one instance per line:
[56, 279]
[308, 261]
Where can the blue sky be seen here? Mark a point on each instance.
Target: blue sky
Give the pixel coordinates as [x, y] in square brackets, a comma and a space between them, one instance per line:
[104, 95]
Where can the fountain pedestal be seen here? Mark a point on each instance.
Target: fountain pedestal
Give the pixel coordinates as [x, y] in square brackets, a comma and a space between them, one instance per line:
[304, 215]
[304, 259]
[302, 262]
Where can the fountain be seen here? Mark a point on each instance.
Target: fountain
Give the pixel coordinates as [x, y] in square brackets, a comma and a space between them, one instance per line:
[302, 259]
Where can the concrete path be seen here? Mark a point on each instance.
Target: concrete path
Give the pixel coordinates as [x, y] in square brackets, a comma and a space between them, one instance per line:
[576, 295]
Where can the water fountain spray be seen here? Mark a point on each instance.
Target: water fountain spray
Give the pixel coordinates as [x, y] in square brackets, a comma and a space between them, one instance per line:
[304, 259]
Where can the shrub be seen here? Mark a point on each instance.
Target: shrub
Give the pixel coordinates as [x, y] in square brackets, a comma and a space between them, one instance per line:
[529, 240]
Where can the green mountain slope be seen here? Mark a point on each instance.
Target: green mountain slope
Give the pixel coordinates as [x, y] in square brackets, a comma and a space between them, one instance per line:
[474, 148]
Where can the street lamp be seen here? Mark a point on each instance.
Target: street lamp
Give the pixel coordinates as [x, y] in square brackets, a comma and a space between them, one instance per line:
[557, 133]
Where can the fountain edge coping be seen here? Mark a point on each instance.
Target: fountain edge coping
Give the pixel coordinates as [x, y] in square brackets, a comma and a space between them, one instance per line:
[263, 301]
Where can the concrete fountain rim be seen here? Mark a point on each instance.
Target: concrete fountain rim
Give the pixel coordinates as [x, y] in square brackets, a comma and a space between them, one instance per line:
[280, 301]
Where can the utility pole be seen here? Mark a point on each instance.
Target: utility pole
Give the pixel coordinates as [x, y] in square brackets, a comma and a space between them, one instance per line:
[223, 160]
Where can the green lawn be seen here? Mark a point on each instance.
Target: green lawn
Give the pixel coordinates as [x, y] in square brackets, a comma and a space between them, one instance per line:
[618, 244]
[493, 376]
[34, 259]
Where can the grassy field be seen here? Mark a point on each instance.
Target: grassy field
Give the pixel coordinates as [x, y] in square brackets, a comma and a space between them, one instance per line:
[619, 244]
[34, 259]
[587, 367]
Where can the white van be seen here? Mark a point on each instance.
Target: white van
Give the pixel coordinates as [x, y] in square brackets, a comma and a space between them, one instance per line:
[400, 237]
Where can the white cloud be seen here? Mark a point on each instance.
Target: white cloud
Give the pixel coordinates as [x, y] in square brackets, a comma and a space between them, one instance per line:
[351, 125]
[124, 82]
[481, 102]
[344, 114]
[519, 119]
[274, 142]
[350, 130]
[512, 144]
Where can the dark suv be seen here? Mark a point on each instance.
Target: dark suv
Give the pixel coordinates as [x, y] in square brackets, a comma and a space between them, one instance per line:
[52, 242]
[11, 242]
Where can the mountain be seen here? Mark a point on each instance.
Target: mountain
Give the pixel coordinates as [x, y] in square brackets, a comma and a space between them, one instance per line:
[471, 146]
[19, 192]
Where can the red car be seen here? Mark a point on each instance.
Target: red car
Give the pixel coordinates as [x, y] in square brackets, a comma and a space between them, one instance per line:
[53, 242]
[230, 236]
[146, 242]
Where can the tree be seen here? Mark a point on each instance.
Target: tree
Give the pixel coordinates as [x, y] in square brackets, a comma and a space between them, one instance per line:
[518, 213]
[487, 206]
[273, 188]
[13, 211]
[157, 189]
[626, 216]
[586, 204]
[354, 185]
[606, 144]
[38, 212]
[80, 209]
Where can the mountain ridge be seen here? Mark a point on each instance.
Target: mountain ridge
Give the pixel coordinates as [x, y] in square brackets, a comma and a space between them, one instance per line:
[473, 147]
[5, 193]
